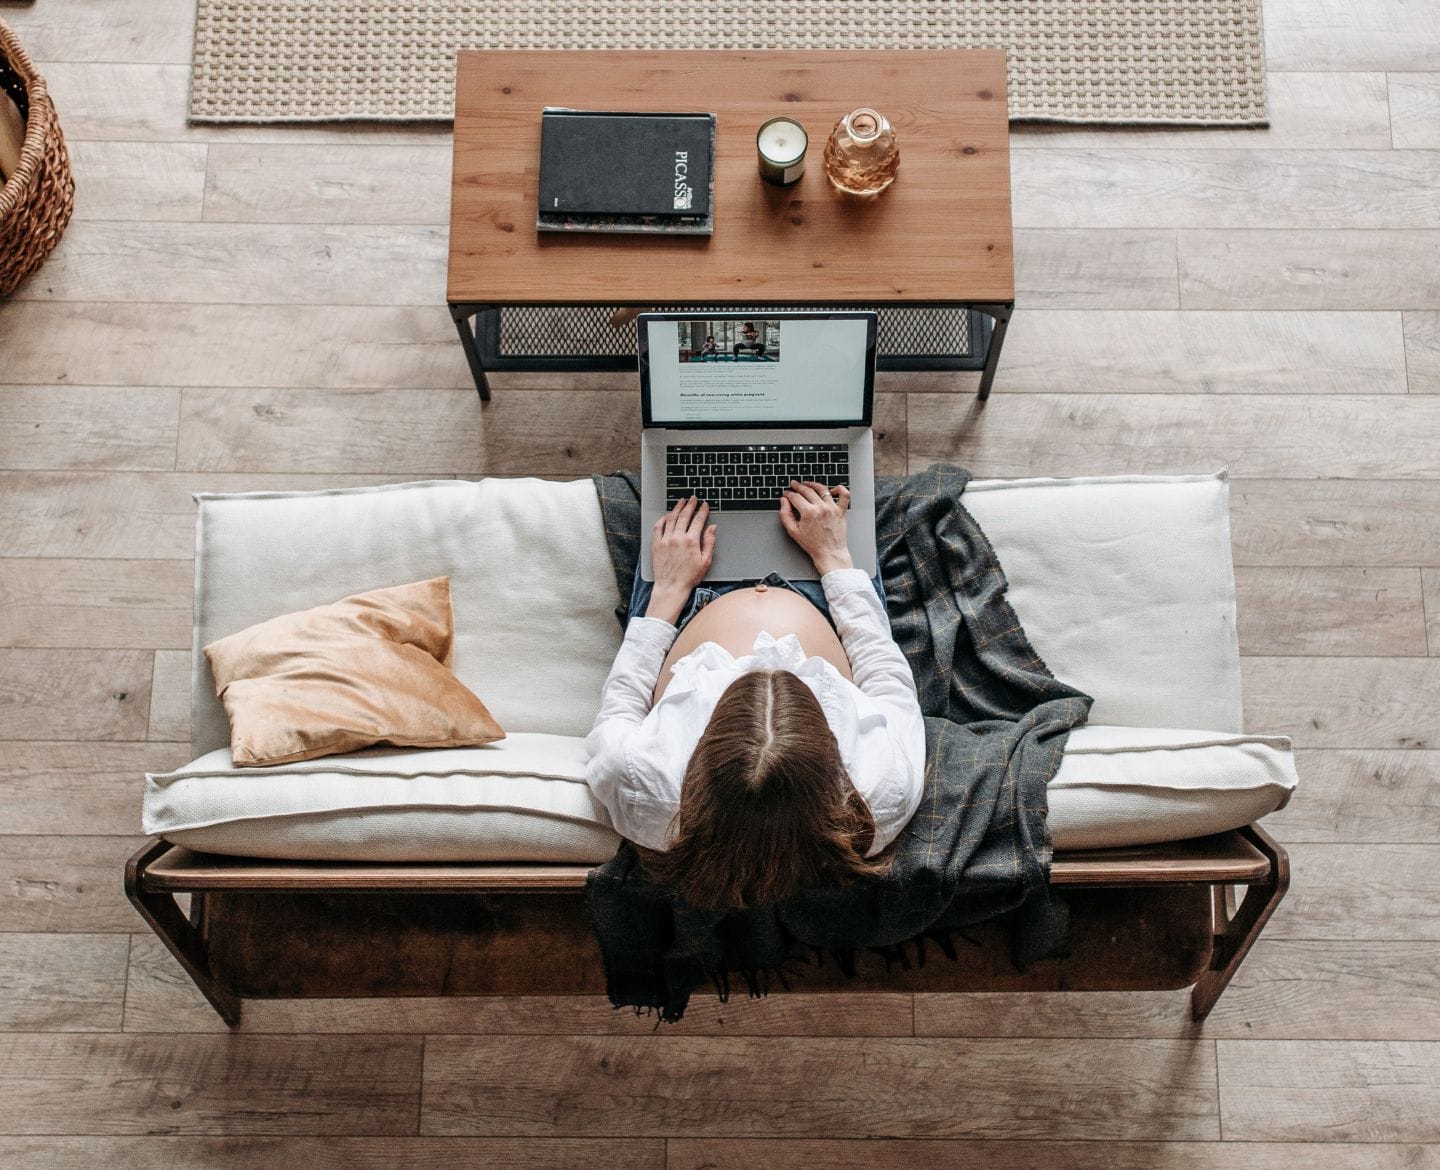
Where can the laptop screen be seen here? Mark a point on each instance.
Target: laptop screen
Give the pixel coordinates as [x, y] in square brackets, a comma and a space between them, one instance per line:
[773, 369]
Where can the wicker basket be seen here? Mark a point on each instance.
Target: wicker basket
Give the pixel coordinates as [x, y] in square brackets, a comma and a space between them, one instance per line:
[36, 201]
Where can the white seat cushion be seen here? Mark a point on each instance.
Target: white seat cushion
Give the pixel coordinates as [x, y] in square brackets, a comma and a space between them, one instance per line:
[525, 798]
[1138, 786]
[521, 799]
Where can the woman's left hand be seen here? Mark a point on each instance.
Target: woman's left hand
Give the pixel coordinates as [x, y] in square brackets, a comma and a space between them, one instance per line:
[682, 550]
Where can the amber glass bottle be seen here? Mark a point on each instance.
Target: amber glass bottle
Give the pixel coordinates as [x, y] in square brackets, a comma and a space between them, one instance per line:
[862, 155]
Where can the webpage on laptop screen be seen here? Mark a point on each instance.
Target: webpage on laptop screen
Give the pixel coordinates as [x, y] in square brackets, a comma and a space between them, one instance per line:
[756, 370]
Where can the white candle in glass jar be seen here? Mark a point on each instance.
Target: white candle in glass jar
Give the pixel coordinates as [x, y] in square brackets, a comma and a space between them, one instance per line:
[781, 144]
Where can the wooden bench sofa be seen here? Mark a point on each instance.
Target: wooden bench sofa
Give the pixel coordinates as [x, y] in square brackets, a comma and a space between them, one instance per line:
[1124, 585]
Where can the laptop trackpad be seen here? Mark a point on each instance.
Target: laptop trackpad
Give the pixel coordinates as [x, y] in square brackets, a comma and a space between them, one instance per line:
[745, 540]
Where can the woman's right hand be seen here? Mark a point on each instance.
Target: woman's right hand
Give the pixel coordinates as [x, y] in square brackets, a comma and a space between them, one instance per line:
[682, 549]
[815, 519]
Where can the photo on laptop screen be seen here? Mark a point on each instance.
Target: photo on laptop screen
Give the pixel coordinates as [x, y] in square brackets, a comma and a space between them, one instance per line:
[723, 339]
[757, 371]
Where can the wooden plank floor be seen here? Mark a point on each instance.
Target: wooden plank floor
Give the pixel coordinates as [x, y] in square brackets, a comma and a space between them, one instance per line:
[262, 307]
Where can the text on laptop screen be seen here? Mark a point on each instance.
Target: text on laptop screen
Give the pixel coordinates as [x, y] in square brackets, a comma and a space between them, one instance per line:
[743, 371]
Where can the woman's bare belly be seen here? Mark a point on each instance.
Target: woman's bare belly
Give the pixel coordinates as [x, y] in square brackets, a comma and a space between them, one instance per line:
[734, 620]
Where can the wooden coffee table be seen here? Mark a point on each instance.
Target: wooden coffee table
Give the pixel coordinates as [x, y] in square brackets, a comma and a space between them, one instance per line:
[933, 254]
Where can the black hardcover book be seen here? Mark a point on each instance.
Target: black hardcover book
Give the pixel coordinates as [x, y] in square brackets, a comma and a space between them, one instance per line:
[595, 164]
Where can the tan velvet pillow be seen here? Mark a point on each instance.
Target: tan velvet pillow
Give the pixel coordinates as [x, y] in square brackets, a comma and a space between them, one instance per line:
[373, 668]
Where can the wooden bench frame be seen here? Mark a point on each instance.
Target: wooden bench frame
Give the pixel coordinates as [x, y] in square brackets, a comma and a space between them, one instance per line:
[1148, 918]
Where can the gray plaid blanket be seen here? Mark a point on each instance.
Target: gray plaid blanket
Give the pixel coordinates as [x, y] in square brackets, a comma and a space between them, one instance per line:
[996, 721]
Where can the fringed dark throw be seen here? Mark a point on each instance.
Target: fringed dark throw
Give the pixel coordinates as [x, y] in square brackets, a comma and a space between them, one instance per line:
[996, 721]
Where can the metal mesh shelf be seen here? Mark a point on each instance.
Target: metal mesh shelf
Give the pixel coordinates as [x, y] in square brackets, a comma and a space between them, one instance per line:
[540, 337]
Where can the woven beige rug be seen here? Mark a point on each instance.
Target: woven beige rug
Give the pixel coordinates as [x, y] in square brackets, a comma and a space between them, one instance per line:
[1160, 62]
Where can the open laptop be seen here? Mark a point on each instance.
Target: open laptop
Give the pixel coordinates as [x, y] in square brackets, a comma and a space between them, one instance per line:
[735, 405]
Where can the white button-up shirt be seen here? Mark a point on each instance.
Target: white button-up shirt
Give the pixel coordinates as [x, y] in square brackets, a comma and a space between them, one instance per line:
[638, 753]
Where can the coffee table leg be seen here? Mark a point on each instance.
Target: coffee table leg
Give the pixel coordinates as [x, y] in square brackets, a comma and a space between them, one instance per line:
[1001, 314]
[463, 314]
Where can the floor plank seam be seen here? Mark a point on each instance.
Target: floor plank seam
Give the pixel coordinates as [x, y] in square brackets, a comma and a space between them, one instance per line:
[125, 987]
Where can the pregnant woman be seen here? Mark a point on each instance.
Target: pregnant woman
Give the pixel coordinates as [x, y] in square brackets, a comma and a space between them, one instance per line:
[756, 740]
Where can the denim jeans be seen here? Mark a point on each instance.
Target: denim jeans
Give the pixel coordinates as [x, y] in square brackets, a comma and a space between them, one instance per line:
[704, 594]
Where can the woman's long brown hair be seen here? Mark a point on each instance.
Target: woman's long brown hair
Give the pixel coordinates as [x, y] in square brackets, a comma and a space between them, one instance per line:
[767, 807]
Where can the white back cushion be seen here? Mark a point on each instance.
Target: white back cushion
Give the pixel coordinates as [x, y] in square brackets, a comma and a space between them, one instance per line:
[1125, 587]
[530, 579]
[1123, 584]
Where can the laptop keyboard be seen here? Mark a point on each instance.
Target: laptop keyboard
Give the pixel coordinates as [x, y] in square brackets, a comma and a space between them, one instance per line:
[750, 478]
